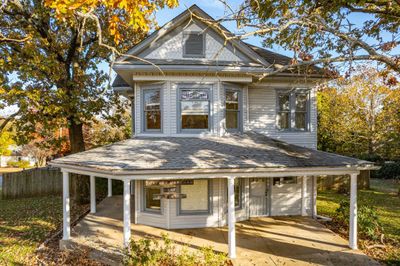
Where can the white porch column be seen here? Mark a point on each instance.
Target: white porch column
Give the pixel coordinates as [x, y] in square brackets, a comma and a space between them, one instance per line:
[303, 195]
[231, 218]
[92, 194]
[109, 194]
[66, 207]
[127, 212]
[353, 212]
[314, 197]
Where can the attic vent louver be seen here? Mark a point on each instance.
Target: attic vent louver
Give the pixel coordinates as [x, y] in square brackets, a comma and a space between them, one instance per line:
[193, 44]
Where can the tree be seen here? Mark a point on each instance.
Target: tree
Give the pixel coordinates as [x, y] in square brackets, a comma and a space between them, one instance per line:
[321, 32]
[360, 116]
[5, 142]
[54, 48]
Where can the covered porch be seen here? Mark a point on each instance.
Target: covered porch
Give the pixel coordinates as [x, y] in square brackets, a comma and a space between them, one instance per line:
[222, 160]
[259, 241]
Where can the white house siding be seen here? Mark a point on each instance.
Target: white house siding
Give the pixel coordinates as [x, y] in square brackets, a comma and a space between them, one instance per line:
[262, 117]
[285, 199]
[171, 46]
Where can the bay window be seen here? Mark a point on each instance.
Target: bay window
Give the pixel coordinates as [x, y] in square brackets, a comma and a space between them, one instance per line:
[293, 109]
[194, 109]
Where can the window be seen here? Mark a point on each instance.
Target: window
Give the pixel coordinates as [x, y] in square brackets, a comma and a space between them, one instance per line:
[197, 199]
[194, 109]
[193, 44]
[238, 190]
[152, 109]
[292, 110]
[238, 193]
[151, 200]
[232, 110]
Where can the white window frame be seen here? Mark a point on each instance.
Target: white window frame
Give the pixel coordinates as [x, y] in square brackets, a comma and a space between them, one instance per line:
[150, 88]
[292, 109]
[194, 212]
[150, 210]
[240, 104]
[179, 111]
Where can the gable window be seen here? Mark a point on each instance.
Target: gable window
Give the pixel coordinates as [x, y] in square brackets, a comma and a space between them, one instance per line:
[232, 110]
[194, 109]
[193, 44]
[151, 202]
[197, 199]
[293, 110]
[152, 109]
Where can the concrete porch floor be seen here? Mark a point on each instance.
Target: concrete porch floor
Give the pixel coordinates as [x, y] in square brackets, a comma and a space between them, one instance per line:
[260, 241]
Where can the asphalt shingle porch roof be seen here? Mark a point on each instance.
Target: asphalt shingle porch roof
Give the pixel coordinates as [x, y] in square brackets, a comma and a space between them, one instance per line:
[250, 150]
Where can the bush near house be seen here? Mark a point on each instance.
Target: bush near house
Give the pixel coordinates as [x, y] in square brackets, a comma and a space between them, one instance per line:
[388, 170]
[148, 252]
[19, 164]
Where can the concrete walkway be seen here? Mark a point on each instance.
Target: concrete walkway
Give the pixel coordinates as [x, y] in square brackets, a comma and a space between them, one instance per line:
[260, 241]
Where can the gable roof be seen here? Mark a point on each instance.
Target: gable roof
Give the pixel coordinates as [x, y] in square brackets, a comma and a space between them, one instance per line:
[246, 151]
[119, 82]
[262, 58]
[194, 9]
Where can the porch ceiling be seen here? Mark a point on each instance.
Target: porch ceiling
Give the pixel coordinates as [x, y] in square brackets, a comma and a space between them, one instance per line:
[246, 151]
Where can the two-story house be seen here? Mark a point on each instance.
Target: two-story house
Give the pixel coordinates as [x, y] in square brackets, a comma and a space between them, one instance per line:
[212, 143]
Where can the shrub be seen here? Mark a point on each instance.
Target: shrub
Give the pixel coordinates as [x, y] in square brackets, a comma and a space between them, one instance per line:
[19, 164]
[368, 219]
[147, 252]
[388, 171]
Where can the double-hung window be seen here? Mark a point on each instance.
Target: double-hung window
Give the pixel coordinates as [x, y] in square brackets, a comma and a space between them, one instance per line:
[194, 109]
[152, 109]
[293, 109]
[232, 110]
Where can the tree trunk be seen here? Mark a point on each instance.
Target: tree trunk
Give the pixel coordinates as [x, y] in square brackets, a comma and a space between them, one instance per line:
[80, 183]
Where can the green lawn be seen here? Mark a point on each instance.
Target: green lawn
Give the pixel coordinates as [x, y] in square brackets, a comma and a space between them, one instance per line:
[387, 205]
[24, 224]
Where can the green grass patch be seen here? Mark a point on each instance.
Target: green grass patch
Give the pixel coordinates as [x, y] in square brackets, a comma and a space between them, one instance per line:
[387, 206]
[24, 224]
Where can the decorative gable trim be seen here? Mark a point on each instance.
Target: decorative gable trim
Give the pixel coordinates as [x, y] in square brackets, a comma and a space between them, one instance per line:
[155, 36]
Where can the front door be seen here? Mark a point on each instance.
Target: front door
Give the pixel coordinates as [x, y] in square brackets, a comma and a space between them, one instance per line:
[259, 194]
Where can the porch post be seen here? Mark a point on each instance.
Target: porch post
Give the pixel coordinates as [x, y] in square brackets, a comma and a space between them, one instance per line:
[231, 218]
[353, 212]
[127, 212]
[92, 194]
[314, 196]
[303, 195]
[109, 185]
[66, 207]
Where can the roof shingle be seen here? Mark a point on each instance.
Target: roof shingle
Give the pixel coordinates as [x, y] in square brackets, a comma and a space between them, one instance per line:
[249, 150]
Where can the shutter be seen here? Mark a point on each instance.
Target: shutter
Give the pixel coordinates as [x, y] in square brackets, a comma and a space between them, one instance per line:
[194, 44]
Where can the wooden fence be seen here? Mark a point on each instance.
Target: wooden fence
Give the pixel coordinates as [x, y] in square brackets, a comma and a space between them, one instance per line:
[342, 183]
[32, 182]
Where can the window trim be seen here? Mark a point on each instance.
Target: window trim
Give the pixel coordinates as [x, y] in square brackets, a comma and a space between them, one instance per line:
[184, 54]
[292, 109]
[153, 87]
[240, 110]
[179, 110]
[241, 193]
[143, 202]
[209, 211]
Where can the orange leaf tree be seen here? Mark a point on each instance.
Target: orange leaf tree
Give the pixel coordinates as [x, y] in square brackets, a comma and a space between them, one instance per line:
[50, 53]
